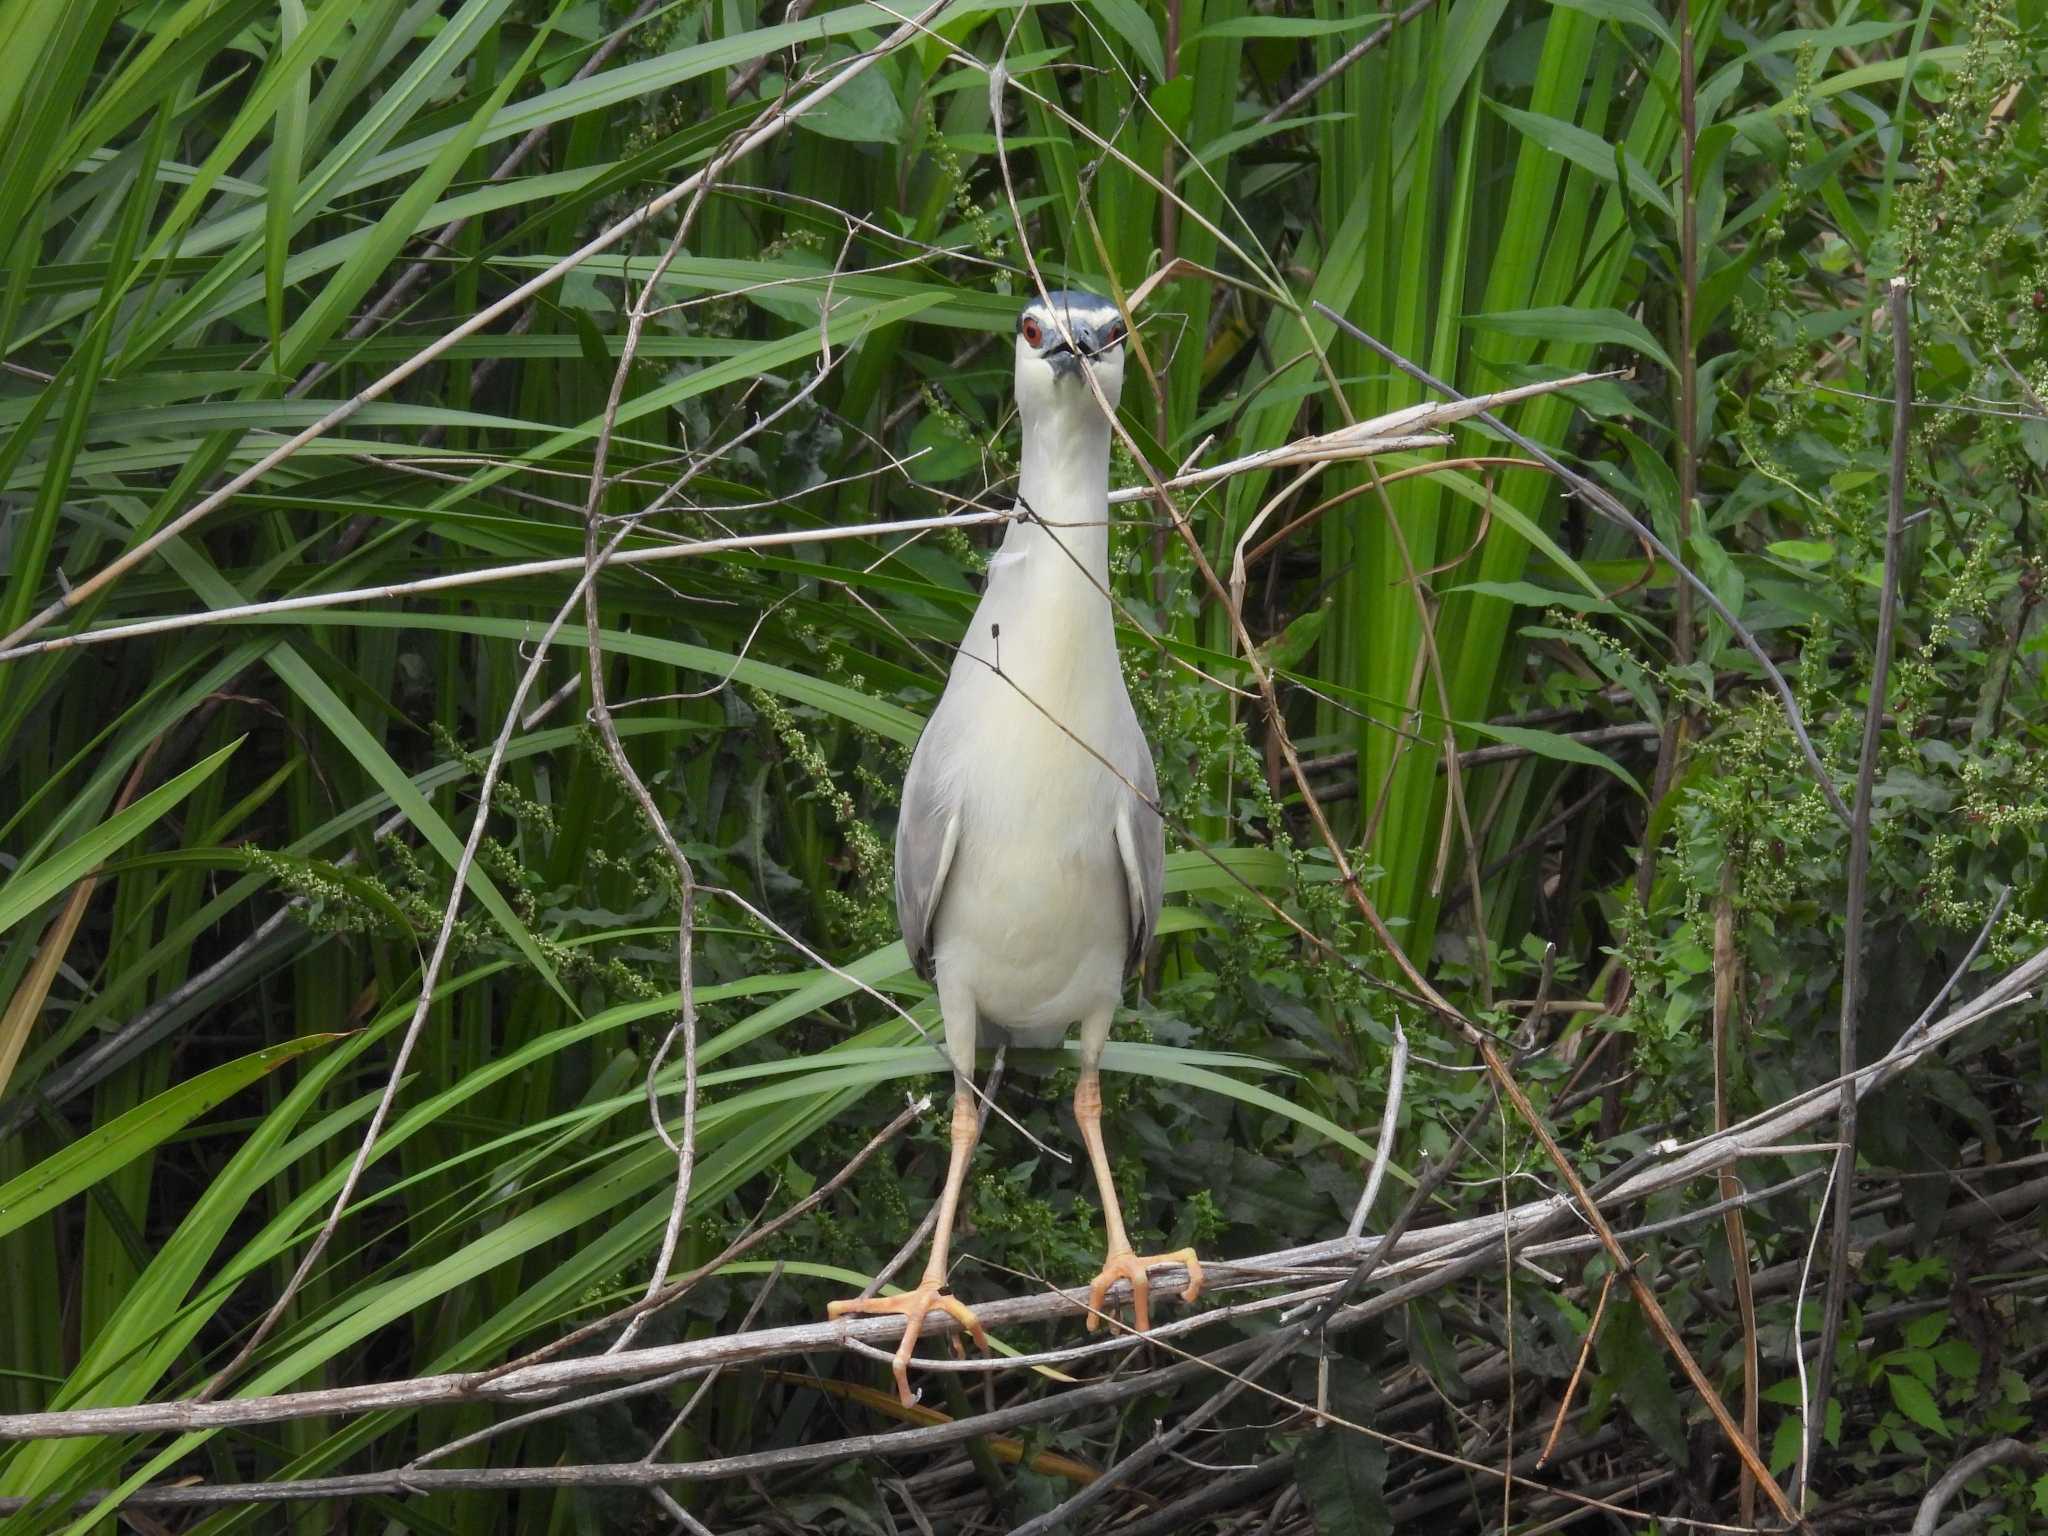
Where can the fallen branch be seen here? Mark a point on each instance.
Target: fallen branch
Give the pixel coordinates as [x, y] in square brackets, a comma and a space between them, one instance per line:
[1998, 1453]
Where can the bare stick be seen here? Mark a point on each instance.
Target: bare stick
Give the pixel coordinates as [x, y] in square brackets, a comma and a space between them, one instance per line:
[1397, 1073]
[600, 716]
[1810, 1421]
[1899, 301]
[1435, 1250]
[687, 1524]
[778, 120]
[1571, 1388]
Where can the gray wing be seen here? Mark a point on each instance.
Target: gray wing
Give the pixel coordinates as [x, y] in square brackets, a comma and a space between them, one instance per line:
[1140, 842]
[927, 832]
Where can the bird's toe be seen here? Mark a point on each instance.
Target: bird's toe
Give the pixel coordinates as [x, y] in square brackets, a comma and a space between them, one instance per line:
[912, 1306]
[1136, 1270]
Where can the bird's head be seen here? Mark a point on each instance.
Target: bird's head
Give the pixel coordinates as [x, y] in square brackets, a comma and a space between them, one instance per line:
[1056, 338]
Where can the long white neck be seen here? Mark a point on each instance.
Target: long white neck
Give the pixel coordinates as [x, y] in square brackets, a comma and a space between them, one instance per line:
[1064, 480]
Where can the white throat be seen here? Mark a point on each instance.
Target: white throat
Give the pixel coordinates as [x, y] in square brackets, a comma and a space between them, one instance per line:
[1064, 481]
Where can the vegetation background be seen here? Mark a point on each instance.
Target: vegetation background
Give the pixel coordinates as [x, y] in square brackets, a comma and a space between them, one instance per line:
[225, 848]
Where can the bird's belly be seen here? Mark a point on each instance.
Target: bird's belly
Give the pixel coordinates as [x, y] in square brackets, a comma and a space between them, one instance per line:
[1040, 941]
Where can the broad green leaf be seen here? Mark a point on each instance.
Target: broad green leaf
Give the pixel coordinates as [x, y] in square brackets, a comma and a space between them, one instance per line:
[1129, 21]
[1576, 327]
[863, 111]
[1527, 594]
[1586, 150]
[1228, 144]
[286, 147]
[1633, 13]
[1636, 1372]
[1557, 748]
[1911, 1397]
[1803, 551]
[1342, 1473]
[105, 1148]
[1286, 26]
[26, 890]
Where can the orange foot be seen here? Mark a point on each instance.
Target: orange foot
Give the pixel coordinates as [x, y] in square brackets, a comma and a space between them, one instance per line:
[1126, 1265]
[912, 1305]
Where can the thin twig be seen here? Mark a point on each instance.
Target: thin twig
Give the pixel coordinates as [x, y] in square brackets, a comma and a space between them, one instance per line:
[600, 716]
[1899, 302]
[1571, 1387]
[1397, 1073]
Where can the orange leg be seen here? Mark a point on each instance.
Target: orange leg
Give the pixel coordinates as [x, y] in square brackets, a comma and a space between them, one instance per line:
[930, 1291]
[1120, 1263]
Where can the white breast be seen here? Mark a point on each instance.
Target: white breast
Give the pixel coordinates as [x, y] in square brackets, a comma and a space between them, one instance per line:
[1035, 914]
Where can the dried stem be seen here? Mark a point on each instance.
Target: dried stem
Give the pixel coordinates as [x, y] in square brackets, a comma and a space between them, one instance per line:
[1899, 302]
[1571, 1387]
[1727, 976]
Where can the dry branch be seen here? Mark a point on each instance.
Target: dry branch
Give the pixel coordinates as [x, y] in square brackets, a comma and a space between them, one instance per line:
[1397, 431]
[1998, 1453]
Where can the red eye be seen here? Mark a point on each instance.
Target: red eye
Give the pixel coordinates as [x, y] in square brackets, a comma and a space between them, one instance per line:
[1033, 332]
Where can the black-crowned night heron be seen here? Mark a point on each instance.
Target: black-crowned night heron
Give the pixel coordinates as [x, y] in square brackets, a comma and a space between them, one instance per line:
[1029, 854]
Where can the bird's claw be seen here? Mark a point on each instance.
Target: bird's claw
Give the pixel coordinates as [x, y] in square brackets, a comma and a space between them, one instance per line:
[911, 1306]
[1126, 1265]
